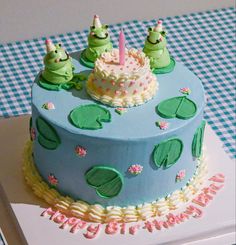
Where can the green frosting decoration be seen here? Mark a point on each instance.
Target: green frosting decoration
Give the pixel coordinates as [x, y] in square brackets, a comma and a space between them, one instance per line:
[89, 116]
[58, 66]
[107, 181]
[166, 69]
[47, 136]
[167, 153]
[74, 83]
[180, 107]
[198, 139]
[98, 43]
[155, 49]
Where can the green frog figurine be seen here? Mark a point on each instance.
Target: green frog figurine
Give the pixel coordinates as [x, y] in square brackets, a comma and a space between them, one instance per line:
[155, 48]
[98, 43]
[58, 66]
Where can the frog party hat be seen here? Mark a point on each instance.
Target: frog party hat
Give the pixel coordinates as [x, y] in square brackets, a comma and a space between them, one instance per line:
[98, 42]
[58, 67]
[155, 48]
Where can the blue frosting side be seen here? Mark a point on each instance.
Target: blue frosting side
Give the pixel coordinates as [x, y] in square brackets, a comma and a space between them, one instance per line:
[128, 139]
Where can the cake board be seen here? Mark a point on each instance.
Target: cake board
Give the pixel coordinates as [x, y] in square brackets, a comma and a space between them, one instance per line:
[215, 227]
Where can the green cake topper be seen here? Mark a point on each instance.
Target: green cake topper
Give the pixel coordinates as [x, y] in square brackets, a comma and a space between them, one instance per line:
[107, 181]
[198, 139]
[177, 107]
[167, 153]
[155, 49]
[98, 42]
[58, 66]
[90, 116]
[47, 136]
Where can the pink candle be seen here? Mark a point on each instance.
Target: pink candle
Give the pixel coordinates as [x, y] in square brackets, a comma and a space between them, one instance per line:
[122, 47]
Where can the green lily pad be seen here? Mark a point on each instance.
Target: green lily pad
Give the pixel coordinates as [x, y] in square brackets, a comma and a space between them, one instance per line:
[84, 61]
[107, 181]
[47, 136]
[167, 153]
[166, 69]
[198, 139]
[177, 107]
[89, 116]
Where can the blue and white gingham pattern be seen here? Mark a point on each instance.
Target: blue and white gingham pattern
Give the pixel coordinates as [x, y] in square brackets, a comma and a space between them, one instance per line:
[204, 42]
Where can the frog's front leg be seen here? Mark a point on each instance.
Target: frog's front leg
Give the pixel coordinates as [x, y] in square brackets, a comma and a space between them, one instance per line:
[153, 62]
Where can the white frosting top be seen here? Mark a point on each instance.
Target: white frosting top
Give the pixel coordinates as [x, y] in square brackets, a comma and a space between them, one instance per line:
[136, 64]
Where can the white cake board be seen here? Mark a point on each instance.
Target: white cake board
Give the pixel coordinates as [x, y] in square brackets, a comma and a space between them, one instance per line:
[217, 226]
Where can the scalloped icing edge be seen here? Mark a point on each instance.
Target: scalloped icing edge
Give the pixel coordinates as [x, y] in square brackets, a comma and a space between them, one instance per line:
[97, 213]
[133, 100]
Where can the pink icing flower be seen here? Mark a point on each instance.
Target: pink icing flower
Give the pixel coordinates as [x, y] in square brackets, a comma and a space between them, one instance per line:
[120, 110]
[180, 175]
[81, 151]
[52, 180]
[135, 169]
[48, 106]
[33, 133]
[185, 91]
[162, 125]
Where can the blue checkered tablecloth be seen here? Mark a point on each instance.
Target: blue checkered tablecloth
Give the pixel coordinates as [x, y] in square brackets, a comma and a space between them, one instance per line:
[204, 42]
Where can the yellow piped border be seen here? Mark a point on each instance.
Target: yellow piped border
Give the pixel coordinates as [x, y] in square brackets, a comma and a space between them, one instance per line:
[97, 213]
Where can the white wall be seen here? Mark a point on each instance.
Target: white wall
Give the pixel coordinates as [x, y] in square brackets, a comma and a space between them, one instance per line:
[26, 19]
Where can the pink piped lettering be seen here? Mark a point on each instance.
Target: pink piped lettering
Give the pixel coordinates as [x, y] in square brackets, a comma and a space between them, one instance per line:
[149, 226]
[202, 199]
[194, 211]
[48, 212]
[122, 228]
[218, 178]
[133, 229]
[92, 231]
[111, 228]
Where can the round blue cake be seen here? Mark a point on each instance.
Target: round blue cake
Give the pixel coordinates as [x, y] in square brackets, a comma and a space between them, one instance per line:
[118, 156]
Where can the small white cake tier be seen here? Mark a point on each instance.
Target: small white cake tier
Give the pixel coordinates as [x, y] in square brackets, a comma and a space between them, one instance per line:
[125, 85]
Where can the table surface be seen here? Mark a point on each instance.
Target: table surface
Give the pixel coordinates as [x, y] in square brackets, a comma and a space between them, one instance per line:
[204, 42]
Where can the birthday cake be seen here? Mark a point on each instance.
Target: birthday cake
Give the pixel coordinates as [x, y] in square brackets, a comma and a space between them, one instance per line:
[105, 143]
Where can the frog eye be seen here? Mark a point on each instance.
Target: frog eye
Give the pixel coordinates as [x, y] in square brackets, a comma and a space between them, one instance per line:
[59, 44]
[92, 27]
[163, 33]
[55, 51]
[150, 29]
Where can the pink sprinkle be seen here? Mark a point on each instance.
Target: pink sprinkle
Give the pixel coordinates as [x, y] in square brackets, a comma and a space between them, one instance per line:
[135, 169]
[52, 180]
[134, 69]
[131, 83]
[145, 88]
[147, 77]
[112, 82]
[180, 175]
[185, 91]
[162, 125]
[117, 92]
[125, 92]
[121, 84]
[33, 134]
[81, 151]
[131, 62]
[141, 84]
[135, 91]
[121, 68]
[127, 66]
